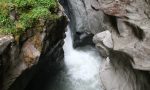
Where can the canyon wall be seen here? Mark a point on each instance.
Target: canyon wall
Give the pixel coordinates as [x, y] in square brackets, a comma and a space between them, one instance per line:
[121, 34]
[25, 57]
[118, 28]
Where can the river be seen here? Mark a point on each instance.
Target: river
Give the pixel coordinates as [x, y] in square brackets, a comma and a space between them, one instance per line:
[81, 68]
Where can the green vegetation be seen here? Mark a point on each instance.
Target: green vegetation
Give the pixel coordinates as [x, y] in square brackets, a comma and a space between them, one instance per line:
[16, 16]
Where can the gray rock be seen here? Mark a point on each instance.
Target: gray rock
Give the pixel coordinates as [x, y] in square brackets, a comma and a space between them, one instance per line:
[129, 24]
[104, 37]
[112, 80]
[103, 42]
[83, 18]
[130, 35]
[132, 19]
[4, 42]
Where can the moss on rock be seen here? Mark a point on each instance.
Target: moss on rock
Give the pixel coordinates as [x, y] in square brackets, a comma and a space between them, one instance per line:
[17, 16]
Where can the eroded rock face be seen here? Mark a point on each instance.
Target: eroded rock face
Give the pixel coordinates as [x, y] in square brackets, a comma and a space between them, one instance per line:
[50, 60]
[83, 18]
[19, 56]
[128, 23]
[123, 78]
[113, 80]
[39, 48]
[131, 34]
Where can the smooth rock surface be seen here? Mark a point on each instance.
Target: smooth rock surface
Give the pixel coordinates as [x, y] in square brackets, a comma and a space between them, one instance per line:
[104, 37]
[129, 14]
[112, 80]
[129, 24]
[83, 18]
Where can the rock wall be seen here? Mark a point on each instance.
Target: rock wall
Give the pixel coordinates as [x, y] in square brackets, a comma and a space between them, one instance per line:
[121, 34]
[83, 20]
[23, 57]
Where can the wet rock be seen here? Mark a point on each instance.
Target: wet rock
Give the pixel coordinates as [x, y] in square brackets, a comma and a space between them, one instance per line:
[82, 39]
[128, 22]
[83, 18]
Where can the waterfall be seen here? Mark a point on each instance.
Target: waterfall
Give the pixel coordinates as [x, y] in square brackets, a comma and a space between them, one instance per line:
[82, 68]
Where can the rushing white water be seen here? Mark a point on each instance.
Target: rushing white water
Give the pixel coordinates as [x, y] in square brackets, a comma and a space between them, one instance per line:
[82, 68]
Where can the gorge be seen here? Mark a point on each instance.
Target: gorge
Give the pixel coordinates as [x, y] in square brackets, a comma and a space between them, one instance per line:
[81, 68]
[75, 45]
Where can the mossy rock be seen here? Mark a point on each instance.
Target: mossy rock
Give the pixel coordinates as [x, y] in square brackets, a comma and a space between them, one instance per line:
[17, 16]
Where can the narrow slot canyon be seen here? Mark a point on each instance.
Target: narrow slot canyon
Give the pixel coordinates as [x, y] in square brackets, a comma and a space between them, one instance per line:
[74, 45]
